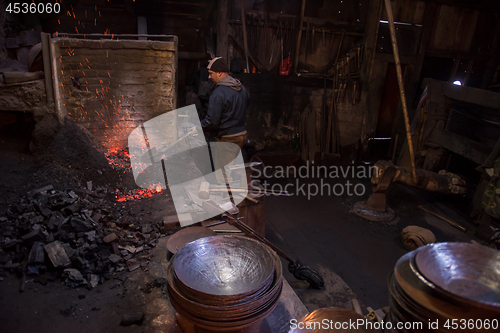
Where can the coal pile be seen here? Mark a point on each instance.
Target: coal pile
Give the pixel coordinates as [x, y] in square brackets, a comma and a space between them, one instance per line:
[81, 236]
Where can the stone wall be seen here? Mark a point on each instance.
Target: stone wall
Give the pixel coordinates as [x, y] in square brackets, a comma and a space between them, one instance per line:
[122, 84]
[22, 96]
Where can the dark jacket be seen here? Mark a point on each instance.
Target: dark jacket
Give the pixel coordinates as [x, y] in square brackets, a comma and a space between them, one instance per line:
[227, 108]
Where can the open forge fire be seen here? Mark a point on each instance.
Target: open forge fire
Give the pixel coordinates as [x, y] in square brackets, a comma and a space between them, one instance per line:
[119, 159]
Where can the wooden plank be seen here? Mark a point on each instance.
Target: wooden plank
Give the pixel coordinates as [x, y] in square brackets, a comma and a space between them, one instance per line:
[371, 32]
[429, 22]
[446, 27]
[222, 30]
[469, 149]
[419, 14]
[470, 24]
[19, 77]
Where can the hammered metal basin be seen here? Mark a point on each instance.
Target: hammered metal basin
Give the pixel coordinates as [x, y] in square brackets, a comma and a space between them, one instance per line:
[224, 266]
[226, 311]
[465, 270]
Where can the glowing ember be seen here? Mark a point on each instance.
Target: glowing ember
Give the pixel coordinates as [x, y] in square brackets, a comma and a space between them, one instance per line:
[137, 194]
[119, 159]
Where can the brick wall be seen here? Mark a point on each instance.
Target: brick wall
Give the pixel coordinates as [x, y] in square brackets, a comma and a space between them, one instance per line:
[122, 84]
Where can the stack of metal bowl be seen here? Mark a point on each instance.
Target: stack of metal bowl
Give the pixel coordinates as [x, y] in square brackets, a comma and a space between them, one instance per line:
[225, 283]
[445, 287]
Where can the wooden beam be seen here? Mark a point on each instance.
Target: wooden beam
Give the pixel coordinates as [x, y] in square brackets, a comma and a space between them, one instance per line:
[244, 28]
[47, 68]
[456, 54]
[299, 38]
[477, 96]
[222, 30]
[469, 149]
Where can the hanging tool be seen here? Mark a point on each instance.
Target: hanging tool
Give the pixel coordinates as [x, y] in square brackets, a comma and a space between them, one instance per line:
[275, 37]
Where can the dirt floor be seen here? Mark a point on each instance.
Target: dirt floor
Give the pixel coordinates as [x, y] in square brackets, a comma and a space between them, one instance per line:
[354, 256]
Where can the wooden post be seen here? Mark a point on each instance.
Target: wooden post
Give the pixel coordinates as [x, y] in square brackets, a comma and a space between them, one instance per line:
[244, 27]
[401, 84]
[299, 38]
[47, 69]
[222, 30]
[54, 57]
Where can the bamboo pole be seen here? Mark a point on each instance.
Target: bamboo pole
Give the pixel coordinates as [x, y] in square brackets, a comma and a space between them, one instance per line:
[401, 85]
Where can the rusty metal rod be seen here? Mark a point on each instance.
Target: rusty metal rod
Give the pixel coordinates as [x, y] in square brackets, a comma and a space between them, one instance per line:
[401, 84]
[459, 227]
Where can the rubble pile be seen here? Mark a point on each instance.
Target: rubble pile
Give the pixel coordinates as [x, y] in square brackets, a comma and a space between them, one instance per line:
[81, 236]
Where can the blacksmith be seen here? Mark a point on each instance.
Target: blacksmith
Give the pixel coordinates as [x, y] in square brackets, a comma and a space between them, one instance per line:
[226, 114]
